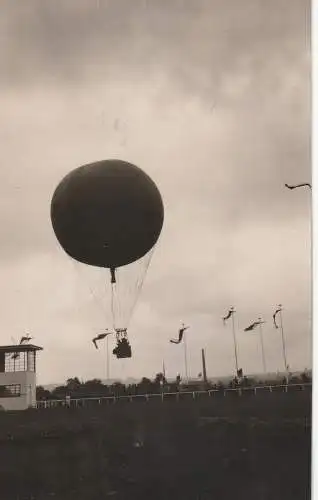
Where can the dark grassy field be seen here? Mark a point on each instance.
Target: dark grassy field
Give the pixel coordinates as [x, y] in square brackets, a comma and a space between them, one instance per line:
[249, 447]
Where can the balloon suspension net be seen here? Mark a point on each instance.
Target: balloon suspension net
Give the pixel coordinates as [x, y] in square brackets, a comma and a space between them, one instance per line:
[123, 348]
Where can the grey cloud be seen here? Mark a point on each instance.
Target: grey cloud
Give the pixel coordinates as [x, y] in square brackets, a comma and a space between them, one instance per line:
[69, 40]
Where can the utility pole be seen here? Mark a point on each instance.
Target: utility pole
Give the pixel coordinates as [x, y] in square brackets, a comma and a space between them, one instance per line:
[204, 367]
[262, 344]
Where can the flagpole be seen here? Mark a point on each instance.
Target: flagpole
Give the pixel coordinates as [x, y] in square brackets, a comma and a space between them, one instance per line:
[185, 355]
[205, 378]
[283, 341]
[234, 341]
[262, 344]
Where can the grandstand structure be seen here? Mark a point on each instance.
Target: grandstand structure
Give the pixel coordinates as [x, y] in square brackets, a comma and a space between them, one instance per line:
[18, 376]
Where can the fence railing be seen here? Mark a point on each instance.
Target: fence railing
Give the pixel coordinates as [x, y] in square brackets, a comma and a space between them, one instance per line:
[168, 396]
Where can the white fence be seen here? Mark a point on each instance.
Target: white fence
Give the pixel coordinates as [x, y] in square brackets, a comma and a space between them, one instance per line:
[168, 396]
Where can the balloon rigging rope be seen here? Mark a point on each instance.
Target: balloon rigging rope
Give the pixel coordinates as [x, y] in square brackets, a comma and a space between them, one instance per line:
[113, 292]
[124, 297]
[98, 302]
[140, 282]
[122, 304]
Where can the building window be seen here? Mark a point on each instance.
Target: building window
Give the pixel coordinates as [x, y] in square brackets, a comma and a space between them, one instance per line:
[19, 361]
[9, 391]
[30, 361]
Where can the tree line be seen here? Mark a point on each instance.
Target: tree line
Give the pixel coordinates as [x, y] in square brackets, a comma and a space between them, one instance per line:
[75, 388]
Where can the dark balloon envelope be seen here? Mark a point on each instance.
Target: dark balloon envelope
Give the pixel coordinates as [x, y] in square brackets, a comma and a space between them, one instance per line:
[107, 214]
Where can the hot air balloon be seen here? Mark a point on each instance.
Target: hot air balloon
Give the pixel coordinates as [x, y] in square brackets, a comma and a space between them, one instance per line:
[109, 214]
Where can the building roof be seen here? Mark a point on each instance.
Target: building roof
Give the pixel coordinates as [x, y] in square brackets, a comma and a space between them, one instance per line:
[20, 348]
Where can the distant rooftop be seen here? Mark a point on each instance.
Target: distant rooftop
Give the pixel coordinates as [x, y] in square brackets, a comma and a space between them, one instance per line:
[20, 348]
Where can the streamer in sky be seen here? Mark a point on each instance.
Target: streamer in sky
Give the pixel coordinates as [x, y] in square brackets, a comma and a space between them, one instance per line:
[298, 185]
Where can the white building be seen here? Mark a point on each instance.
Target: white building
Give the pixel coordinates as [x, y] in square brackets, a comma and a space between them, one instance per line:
[18, 376]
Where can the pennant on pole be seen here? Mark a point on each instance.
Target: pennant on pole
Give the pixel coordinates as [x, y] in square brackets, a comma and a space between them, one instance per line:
[180, 337]
[253, 325]
[100, 336]
[275, 314]
[25, 338]
[229, 314]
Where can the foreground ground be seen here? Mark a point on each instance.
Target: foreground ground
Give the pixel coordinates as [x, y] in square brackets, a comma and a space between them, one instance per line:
[251, 448]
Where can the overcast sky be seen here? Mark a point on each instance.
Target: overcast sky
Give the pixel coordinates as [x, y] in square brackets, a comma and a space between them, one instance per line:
[212, 99]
